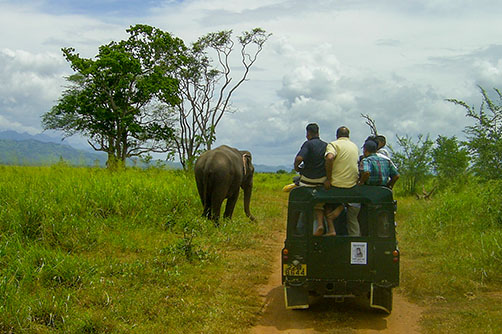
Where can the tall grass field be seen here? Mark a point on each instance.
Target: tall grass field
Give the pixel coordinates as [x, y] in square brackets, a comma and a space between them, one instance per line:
[85, 250]
[451, 249]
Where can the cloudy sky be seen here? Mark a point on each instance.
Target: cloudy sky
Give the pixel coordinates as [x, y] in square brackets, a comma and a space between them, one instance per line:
[326, 62]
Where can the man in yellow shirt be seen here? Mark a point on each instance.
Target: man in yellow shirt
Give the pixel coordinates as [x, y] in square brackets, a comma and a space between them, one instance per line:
[342, 171]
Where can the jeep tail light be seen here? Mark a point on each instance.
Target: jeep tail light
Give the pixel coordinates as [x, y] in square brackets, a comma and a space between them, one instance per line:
[285, 253]
[395, 253]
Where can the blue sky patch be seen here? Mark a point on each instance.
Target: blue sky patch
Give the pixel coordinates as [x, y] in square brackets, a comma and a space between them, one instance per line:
[99, 7]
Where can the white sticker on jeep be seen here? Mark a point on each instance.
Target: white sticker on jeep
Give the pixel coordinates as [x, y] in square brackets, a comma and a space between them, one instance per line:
[358, 253]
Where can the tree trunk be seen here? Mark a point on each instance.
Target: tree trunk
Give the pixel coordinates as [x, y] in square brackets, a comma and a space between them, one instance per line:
[113, 162]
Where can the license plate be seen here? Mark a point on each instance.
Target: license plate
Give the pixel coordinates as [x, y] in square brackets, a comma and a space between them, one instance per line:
[292, 270]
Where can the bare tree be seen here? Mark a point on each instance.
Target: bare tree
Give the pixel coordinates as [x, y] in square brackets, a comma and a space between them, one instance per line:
[371, 123]
[205, 90]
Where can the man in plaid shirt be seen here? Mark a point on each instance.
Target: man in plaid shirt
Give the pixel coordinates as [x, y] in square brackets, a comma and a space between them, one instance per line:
[375, 169]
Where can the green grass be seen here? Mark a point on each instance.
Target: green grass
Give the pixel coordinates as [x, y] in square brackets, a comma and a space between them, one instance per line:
[83, 250]
[451, 250]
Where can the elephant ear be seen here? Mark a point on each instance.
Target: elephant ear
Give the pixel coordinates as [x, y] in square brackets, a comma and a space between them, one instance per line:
[246, 162]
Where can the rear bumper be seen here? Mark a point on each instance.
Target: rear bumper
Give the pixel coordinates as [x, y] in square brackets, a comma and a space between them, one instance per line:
[337, 288]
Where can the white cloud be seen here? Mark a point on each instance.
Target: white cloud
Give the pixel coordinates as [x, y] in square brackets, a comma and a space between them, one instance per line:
[30, 84]
[489, 71]
[32, 30]
[326, 62]
[16, 126]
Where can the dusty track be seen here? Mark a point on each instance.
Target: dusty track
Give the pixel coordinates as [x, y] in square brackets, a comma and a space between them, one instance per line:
[327, 316]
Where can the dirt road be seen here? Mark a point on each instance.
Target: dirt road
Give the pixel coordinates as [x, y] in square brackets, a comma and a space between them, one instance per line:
[327, 316]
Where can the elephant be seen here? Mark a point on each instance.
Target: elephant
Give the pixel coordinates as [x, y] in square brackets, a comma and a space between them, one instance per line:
[219, 174]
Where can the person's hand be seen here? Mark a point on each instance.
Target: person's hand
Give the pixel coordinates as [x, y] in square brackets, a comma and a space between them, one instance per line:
[327, 184]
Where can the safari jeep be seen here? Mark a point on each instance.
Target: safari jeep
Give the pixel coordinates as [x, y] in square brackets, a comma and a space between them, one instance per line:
[341, 266]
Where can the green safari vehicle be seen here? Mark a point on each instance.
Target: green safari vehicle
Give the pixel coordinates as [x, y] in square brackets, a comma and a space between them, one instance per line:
[341, 266]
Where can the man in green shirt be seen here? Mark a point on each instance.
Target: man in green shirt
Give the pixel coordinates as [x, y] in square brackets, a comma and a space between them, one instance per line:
[377, 170]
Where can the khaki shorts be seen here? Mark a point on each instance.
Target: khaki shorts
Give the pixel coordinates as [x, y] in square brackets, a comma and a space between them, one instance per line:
[306, 182]
[319, 206]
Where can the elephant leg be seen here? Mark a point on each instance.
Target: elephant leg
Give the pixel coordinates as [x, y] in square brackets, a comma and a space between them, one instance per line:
[229, 208]
[206, 202]
[216, 202]
[206, 213]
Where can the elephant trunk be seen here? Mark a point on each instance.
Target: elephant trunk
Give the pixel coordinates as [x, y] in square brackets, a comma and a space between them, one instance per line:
[247, 199]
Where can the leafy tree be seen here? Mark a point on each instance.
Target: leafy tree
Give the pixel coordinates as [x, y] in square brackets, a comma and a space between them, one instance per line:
[413, 161]
[449, 159]
[485, 136]
[206, 90]
[114, 99]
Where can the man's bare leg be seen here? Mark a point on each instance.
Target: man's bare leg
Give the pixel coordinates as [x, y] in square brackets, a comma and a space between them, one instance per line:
[330, 218]
[319, 214]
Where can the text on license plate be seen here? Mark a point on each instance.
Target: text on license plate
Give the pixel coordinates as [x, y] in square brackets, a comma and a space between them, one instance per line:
[292, 270]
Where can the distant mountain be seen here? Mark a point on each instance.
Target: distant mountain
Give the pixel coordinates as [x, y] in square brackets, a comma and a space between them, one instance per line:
[271, 169]
[34, 152]
[25, 149]
[13, 135]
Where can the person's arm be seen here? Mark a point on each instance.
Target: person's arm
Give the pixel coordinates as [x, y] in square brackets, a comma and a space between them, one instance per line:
[363, 178]
[364, 171]
[394, 175]
[298, 161]
[328, 163]
[393, 181]
[299, 156]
